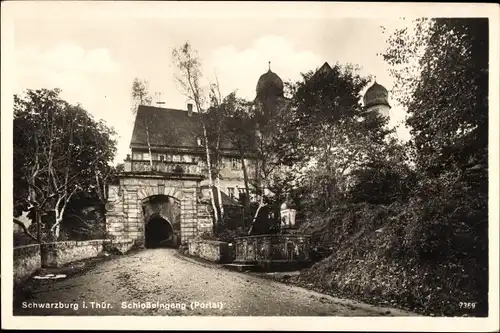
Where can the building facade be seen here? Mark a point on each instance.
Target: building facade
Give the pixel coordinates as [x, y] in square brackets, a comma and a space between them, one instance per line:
[160, 198]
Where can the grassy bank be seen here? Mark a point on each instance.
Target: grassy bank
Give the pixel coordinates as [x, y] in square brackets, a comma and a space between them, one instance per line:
[379, 255]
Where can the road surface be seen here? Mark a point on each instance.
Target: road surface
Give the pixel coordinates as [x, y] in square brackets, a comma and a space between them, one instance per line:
[161, 282]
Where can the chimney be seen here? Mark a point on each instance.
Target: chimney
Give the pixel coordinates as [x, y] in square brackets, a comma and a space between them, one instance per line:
[190, 109]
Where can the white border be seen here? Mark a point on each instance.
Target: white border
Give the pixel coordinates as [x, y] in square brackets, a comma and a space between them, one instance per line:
[123, 10]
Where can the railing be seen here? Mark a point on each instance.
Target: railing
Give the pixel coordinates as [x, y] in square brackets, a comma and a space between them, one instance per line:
[279, 247]
[166, 167]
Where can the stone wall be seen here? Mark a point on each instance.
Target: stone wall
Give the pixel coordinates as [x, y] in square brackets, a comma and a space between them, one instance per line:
[59, 253]
[30, 258]
[119, 245]
[209, 250]
[189, 220]
[27, 260]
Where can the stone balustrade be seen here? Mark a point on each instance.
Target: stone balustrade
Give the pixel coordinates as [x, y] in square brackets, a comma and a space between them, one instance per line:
[165, 167]
[287, 250]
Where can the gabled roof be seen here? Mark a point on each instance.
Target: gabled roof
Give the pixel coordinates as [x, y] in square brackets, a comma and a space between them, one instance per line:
[167, 128]
[325, 68]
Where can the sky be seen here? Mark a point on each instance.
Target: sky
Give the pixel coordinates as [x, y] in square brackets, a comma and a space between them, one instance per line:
[93, 52]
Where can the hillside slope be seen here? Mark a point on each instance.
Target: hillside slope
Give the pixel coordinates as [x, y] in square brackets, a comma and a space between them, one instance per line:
[380, 255]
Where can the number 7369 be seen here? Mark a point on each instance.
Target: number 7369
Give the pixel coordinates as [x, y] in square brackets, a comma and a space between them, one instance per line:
[467, 305]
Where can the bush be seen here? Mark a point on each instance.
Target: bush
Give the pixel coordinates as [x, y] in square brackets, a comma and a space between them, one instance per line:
[228, 235]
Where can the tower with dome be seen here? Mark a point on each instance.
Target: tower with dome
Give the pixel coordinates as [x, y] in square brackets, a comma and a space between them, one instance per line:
[269, 94]
[376, 99]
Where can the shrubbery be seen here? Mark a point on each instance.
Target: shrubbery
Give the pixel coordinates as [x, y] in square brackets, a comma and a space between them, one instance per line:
[411, 255]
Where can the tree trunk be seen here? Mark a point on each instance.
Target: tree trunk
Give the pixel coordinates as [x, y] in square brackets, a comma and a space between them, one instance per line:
[38, 221]
[149, 148]
[55, 229]
[210, 180]
[247, 188]
[219, 197]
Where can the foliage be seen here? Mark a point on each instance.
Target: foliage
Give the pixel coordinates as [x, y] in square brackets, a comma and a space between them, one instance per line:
[386, 179]
[448, 102]
[60, 152]
[412, 226]
[84, 219]
[394, 255]
[334, 137]
[140, 94]
[448, 115]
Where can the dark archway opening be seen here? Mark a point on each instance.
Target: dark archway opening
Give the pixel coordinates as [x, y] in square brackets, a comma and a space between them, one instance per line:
[159, 233]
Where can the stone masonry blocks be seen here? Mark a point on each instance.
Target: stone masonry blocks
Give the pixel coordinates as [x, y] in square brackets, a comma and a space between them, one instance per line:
[126, 219]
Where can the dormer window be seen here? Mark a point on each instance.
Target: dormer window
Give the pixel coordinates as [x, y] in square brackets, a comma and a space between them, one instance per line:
[199, 141]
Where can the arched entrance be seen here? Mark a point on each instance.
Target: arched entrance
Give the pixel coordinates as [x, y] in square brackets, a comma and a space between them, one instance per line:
[158, 233]
[161, 215]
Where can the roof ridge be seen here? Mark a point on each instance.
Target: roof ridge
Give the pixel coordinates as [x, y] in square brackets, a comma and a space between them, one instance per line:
[160, 108]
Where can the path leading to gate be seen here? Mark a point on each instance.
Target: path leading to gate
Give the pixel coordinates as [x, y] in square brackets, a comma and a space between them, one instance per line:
[175, 286]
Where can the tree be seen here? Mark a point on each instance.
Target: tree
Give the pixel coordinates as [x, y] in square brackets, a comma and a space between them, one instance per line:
[441, 72]
[446, 100]
[187, 62]
[333, 135]
[239, 128]
[213, 120]
[59, 151]
[141, 96]
[447, 97]
[385, 179]
[270, 120]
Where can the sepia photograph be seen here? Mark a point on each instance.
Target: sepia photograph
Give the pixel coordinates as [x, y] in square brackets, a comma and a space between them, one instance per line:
[274, 162]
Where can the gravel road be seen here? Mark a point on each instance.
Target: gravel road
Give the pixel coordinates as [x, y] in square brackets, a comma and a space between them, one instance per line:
[161, 282]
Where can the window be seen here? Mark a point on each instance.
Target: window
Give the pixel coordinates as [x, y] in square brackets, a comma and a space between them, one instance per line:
[200, 141]
[235, 163]
[176, 158]
[168, 157]
[137, 156]
[162, 157]
[145, 156]
[230, 192]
